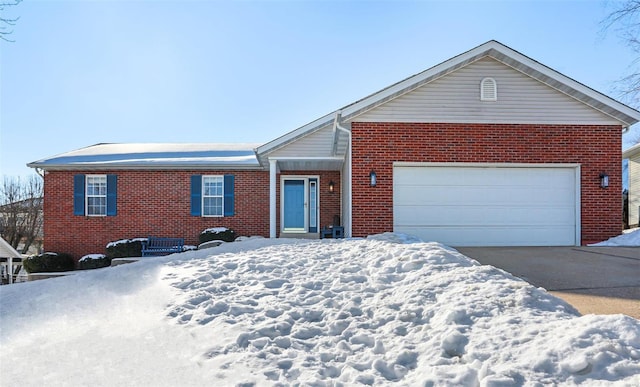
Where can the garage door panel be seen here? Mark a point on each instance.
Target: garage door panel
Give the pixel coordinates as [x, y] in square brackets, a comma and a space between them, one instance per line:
[479, 216]
[492, 236]
[487, 206]
[461, 195]
[507, 177]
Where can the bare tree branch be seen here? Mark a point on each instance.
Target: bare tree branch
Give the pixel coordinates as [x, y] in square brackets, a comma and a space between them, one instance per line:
[21, 211]
[7, 24]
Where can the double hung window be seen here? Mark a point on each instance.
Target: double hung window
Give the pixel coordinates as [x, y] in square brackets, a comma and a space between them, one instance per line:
[212, 196]
[96, 195]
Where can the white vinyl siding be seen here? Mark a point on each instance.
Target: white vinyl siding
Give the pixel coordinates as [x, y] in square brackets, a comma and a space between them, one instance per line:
[316, 144]
[634, 191]
[493, 205]
[456, 98]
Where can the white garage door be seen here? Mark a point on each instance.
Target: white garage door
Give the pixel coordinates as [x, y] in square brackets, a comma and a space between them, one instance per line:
[487, 206]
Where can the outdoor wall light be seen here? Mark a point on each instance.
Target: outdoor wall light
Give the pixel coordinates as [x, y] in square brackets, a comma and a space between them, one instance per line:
[373, 178]
[604, 180]
[332, 186]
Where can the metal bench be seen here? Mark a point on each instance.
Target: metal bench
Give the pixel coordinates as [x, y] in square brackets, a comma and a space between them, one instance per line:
[155, 246]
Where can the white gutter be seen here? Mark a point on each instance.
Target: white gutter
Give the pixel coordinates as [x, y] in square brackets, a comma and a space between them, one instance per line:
[346, 179]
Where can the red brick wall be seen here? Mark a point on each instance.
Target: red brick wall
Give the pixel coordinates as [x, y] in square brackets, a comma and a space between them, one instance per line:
[149, 203]
[159, 203]
[597, 148]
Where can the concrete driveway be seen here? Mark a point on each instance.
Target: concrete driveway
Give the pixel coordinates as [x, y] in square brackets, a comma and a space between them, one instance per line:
[599, 280]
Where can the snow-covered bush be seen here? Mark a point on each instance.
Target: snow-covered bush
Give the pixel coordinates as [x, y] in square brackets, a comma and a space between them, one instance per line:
[125, 248]
[49, 262]
[217, 234]
[93, 261]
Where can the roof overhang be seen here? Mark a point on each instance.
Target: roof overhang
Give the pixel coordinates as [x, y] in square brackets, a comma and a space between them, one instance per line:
[632, 152]
[153, 157]
[309, 163]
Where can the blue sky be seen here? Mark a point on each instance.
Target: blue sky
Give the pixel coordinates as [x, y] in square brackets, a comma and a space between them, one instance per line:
[81, 73]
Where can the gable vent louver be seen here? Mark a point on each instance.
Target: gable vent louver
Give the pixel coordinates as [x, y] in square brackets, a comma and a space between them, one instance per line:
[488, 90]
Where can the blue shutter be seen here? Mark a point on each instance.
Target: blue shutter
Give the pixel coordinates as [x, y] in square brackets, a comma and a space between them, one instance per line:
[228, 195]
[78, 195]
[196, 195]
[112, 195]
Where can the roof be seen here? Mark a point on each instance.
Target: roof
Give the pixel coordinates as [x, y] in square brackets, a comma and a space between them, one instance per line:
[7, 251]
[626, 115]
[154, 156]
[632, 152]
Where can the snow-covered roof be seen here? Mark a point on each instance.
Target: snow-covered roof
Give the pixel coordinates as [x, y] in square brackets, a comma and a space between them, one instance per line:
[154, 156]
[7, 251]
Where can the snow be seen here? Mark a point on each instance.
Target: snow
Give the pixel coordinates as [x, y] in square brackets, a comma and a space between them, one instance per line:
[89, 257]
[155, 154]
[215, 230]
[378, 311]
[627, 239]
[121, 241]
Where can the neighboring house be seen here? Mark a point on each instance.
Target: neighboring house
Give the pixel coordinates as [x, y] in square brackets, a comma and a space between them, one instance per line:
[21, 224]
[633, 155]
[487, 148]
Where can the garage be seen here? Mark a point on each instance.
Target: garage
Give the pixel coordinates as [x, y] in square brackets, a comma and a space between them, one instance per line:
[488, 204]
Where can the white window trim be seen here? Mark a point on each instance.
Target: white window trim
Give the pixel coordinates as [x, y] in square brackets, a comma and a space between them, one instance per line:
[221, 177]
[492, 82]
[86, 194]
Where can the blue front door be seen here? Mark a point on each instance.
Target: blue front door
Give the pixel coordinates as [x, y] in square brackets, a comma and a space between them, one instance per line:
[294, 205]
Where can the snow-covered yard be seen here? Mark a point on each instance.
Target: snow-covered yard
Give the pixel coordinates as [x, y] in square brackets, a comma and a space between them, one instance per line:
[379, 311]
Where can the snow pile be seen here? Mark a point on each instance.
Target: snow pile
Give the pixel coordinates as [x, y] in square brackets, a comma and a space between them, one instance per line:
[90, 257]
[628, 239]
[215, 230]
[387, 310]
[123, 241]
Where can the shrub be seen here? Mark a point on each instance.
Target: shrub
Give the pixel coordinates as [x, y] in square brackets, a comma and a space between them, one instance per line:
[125, 248]
[217, 234]
[48, 263]
[94, 261]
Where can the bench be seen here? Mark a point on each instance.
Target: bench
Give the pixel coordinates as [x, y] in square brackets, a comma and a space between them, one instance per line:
[155, 246]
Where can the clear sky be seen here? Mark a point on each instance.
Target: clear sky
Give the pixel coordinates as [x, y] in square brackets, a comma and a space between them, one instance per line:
[86, 72]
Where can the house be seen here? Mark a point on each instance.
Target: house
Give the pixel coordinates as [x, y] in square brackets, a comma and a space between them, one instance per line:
[633, 155]
[489, 148]
[21, 224]
[10, 260]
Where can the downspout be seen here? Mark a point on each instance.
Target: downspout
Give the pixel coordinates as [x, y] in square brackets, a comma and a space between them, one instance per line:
[337, 126]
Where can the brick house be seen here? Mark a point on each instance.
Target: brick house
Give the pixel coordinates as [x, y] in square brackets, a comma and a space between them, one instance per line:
[487, 148]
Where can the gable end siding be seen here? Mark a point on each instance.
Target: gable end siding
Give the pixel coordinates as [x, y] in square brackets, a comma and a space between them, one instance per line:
[456, 98]
[634, 191]
[316, 144]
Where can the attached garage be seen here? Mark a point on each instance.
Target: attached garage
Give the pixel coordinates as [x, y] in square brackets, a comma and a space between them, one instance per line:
[488, 204]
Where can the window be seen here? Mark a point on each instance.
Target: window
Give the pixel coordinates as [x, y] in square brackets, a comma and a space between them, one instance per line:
[212, 196]
[95, 195]
[488, 90]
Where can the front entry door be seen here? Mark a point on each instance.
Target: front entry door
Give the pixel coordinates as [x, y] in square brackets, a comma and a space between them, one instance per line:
[294, 205]
[300, 204]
